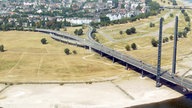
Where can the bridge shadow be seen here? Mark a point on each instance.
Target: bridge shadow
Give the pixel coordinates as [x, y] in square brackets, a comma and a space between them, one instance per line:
[175, 87]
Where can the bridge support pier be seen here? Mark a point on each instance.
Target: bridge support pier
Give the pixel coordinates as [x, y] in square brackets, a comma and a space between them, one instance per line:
[101, 54]
[113, 59]
[127, 66]
[90, 49]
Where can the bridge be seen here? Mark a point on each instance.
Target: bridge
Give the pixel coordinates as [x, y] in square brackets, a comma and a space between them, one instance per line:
[127, 60]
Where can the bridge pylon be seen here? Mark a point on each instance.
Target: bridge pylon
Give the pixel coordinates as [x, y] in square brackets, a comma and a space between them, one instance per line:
[158, 84]
[175, 47]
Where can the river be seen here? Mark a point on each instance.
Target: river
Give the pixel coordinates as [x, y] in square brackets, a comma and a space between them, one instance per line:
[182, 102]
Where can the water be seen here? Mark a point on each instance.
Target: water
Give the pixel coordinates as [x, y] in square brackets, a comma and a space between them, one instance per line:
[182, 102]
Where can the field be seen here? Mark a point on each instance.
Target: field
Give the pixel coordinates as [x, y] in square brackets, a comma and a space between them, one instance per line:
[26, 59]
[71, 30]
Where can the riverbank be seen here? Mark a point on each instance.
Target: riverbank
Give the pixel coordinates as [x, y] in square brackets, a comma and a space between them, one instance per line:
[122, 93]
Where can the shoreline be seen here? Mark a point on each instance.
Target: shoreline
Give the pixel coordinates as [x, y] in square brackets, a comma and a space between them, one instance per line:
[105, 94]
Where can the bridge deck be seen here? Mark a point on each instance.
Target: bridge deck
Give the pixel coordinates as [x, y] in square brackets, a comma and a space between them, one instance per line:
[120, 56]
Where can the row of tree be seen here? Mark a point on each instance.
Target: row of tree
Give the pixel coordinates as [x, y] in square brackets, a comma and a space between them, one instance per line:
[67, 51]
[133, 46]
[130, 31]
[78, 32]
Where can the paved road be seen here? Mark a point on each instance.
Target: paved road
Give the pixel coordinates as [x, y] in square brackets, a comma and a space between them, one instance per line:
[119, 56]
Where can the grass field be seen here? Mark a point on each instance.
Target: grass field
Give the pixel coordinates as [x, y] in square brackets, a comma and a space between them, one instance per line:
[26, 59]
[145, 51]
[142, 26]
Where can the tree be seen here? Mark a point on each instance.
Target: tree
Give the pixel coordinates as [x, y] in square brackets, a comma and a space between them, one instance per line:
[134, 46]
[151, 24]
[154, 42]
[74, 52]
[94, 36]
[127, 47]
[44, 41]
[65, 29]
[128, 31]
[171, 37]
[184, 34]
[94, 30]
[80, 32]
[180, 34]
[76, 31]
[187, 29]
[67, 51]
[121, 32]
[166, 39]
[171, 15]
[187, 19]
[83, 26]
[2, 48]
[133, 30]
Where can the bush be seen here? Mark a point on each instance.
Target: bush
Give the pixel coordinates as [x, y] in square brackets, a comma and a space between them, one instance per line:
[187, 29]
[80, 32]
[151, 24]
[128, 31]
[171, 15]
[94, 36]
[171, 37]
[187, 19]
[134, 46]
[133, 30]
[2, 48]
[94, 30]
[180, 34]
[44, 41]
[127, 47]
[154, 42]
[67, 51]
[76, 31]
[184, 34]
[166, 39]
[121, 32]
[74, 52]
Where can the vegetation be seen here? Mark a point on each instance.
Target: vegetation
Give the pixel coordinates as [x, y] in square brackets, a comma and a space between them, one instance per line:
[154, 42]
[171, 37]
[54, 66]
[2, 48]
[131, 31]
[67, 51]
[166, 39]
[74, 52]
[151, 24]
[154, 10]
[128, 31]
[120, 32]
[134, 46]
[44, 41]
[127, 47]
[78, 32]
[171, 15]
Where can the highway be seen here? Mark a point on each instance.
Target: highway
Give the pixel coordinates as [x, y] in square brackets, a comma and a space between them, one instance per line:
[128, 60]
